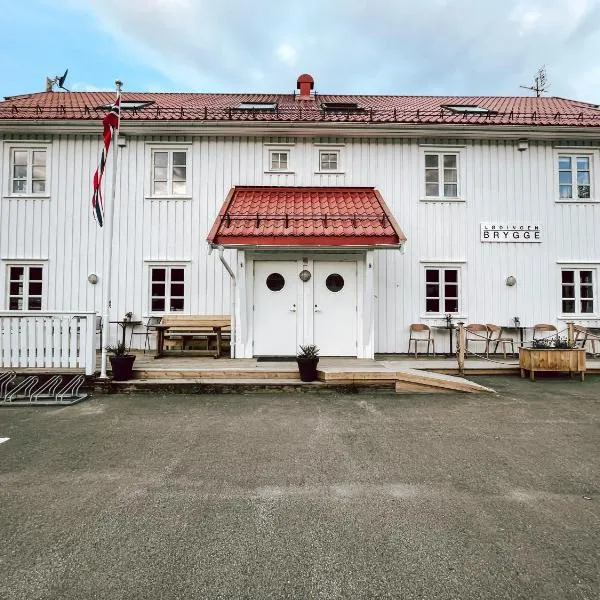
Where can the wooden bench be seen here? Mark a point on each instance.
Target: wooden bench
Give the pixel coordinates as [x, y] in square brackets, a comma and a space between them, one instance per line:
[186, 328]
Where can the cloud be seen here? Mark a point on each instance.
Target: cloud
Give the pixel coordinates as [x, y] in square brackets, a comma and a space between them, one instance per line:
[359, 46]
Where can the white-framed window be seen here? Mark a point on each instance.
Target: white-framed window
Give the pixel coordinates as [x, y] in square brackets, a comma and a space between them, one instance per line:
[442, 290]
[170, 172]
[441, 174]
[28, 170]
[578, 291]
[279, 160]
[329, 160]
[167, 288]
[575, 176]
[25, 286]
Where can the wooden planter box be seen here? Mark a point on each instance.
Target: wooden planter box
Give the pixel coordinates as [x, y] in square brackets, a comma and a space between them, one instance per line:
[569, 360]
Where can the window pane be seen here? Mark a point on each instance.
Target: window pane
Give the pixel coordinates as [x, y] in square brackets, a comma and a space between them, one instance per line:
[450, 190]
[158, 289]
[158, 274]
[432, 305]
[160, 188]
[19, 172]
[19, 186]
[38, 187]
[158, 304]
[568, 291]
[451, 290]
[586, 291]
[431, 175]
[160, 173]
[450, 275]
[35, 288]
[35, 273]
[20, 157]
[432, 189]
[179, 173]
[566, 191]
[161, 159]
[179, 188]
[451, 306]
[583, 191]
[583, 163]
[432, 289]
[568, 276]
[432, 275]
[583, 178]
[450, 175]
[585, 276]
[431, 160]
[176, 304]
[15, 304]
[564, 177]
[564, 162]
[177, 274]
[568, 306]
[40, 173]
[39, 157]
[16, 273]
[179, 158]
[35, 304]
[587, 306]
[177, 289]
[450, 161]
[15, 288]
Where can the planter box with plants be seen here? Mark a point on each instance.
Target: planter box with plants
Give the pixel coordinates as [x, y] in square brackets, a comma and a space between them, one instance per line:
[307, 360]
[554, 354]
[121, 362]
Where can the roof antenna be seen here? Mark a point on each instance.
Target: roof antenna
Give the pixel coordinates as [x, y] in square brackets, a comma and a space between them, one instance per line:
[540, 85]
[59, 81]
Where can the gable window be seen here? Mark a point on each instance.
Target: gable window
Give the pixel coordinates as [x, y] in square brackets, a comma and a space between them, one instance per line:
[441, 290]
[25, 287]
[169, 172]
[574, 176]
[279, 160]
[441, 175]
[329, 160]
[577, 291]
[28, 171]
[167, 288]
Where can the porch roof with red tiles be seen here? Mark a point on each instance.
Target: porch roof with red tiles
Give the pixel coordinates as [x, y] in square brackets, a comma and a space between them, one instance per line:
[305, 216]
[370, 109]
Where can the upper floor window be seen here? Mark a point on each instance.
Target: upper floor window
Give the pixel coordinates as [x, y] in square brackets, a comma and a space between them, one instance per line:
[25, 287]
[441, 174]
[167, 288]
[441, 290]
[170, 172]
[577, 291]
[279, 160]
[28, 175]
[574, 176]
[329, 160]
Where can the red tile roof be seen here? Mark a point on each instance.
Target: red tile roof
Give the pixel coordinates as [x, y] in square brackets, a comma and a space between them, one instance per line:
[514, 110]
[305, 216]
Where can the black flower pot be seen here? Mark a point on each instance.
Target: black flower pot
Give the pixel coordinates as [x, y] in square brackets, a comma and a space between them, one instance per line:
[122, 366]
[307, 368]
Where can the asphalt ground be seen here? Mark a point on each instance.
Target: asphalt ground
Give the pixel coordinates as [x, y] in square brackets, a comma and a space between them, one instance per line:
[286, 495]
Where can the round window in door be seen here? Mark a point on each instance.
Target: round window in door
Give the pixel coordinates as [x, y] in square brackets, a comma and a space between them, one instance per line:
[334, 282]
[275, 282]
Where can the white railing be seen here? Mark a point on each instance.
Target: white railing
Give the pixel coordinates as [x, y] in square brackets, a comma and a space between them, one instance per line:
[48, 340]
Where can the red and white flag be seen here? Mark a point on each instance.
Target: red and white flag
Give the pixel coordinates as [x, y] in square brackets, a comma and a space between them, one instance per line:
[110, 123]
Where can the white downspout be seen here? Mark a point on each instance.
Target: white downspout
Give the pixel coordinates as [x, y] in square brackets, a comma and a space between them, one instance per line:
[220, 250]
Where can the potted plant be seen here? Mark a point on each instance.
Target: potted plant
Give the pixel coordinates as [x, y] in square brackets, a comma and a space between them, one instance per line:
[552, 354]
[307, 360]
[121, 362]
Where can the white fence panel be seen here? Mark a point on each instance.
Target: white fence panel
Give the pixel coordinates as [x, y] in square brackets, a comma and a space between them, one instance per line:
[49, 340]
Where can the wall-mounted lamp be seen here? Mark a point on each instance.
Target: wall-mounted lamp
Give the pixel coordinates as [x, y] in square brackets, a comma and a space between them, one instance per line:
[93, 278]
[304, 275]
[511, 280]
[122, 140]
[522, 145]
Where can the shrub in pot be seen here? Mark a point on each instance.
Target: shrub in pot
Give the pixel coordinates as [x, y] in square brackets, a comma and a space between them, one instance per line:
[121, 362]
[307, 360]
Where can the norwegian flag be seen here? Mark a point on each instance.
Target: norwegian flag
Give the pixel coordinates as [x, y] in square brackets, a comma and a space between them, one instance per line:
[110, 123]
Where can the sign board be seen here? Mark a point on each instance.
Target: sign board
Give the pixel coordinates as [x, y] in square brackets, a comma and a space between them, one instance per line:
[510, 232]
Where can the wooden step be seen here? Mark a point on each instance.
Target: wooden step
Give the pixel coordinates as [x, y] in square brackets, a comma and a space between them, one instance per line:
[225, 373]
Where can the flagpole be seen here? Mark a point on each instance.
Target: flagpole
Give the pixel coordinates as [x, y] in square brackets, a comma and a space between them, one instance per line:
[108, 240]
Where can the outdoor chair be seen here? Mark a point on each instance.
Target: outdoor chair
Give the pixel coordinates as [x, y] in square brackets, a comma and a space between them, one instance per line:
[477, 332]
[420, 334]
[583, 337]
[544, 331]
[151, 324]
[496, 338]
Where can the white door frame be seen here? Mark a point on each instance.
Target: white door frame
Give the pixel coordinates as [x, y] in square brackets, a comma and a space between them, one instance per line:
[245, 294]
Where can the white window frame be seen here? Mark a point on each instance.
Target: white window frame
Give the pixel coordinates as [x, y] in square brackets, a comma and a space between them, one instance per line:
[574, 152]
[577, 268]
[29, 146]
[153, 148]
[270, 149]
[26, 264]
[329, 149]
[459, 151]
[442, 296]
[168, 265]
[279, 153]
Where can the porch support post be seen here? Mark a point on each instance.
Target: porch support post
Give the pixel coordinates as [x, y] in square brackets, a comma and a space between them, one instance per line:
[461, 348]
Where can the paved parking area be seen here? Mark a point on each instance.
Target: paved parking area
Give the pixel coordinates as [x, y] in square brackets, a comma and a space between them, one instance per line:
[304, 496]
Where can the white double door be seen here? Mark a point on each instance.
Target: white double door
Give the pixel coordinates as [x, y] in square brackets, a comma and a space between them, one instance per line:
[290, 310]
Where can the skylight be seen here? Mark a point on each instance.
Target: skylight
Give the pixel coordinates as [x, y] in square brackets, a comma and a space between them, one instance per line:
[130, 104]
[467, 108]
[257, 106]
[342, 106]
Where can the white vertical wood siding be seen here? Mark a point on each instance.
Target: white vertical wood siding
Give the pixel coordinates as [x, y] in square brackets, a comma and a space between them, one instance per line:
[501, 184]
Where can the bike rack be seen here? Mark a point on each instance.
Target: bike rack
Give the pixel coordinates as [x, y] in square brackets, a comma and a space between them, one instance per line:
[52, 392]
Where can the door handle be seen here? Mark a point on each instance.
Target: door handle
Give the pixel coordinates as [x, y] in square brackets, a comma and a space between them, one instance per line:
[293, 308]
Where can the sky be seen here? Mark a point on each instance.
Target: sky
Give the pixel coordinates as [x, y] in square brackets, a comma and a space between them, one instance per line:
[403, 47]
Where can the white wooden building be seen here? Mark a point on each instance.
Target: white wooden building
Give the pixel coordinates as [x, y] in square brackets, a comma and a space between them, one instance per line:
[494, 203]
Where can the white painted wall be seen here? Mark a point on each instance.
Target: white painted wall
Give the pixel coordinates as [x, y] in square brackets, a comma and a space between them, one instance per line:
[500, 184]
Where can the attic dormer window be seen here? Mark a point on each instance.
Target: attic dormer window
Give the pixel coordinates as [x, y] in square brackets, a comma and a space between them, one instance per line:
[257, 106]
[467, 108]
[341, 107]
[129, 104]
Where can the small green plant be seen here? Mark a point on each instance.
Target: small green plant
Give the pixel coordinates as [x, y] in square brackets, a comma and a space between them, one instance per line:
[308, 351]
[562, 342]
[555, 342]
[119, 350]
[542, 343]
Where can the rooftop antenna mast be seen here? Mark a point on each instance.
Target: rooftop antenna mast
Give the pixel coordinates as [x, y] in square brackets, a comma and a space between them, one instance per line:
[58, 81]
[540, 85]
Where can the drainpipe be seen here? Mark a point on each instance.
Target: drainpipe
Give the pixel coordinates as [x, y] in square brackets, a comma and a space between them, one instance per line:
[220, 250]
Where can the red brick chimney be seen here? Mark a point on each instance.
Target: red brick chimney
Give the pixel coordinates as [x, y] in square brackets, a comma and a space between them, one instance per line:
[305, 84]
